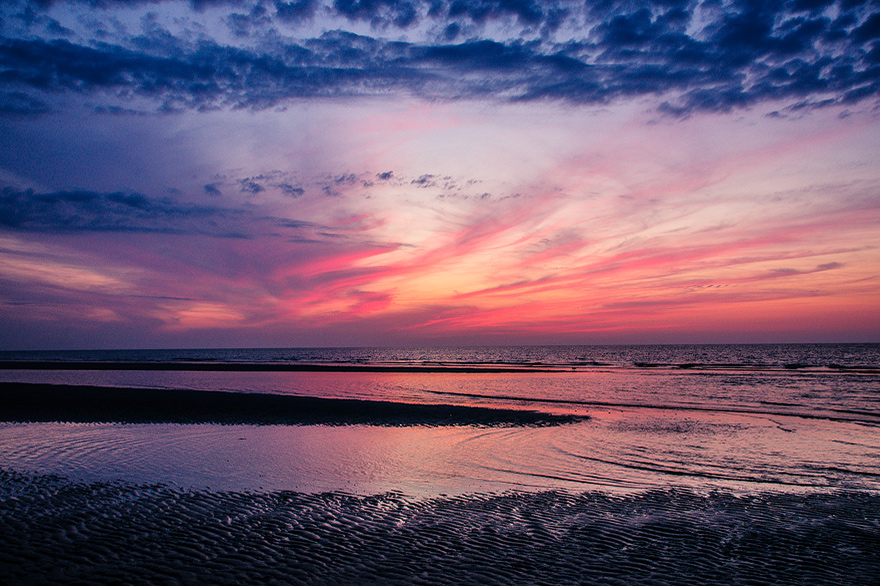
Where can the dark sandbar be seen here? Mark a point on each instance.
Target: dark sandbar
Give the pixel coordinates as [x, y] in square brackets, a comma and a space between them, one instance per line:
[71, 403]
[273, 367]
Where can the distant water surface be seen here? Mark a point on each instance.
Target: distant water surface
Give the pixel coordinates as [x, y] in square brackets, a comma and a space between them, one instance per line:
[708, 355]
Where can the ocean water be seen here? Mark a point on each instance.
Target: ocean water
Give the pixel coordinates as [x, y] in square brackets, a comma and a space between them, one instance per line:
[737, 464]
[738, 417]
[743, 356]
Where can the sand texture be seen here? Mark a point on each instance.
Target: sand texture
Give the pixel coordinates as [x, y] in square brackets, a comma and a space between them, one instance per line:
[56, 531]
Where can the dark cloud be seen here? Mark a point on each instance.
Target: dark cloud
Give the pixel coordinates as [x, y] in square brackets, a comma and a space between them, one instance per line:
[789, 272]
[380, 13]
[68, 212]
[477, 55]
[830, 266]
[869, 30]
[335, 186]
[424, 181]
[290, 190]
[796, 52]
[630, 30]
[250, 186]
[195, 4]
[212, 189]
[406, 13]
[298, 10]
[21, 104]
[385, 176]
[524, 11]
[91, 211]
[346, 179]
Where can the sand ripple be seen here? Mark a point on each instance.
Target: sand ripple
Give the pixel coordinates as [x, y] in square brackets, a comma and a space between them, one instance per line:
[56, 531]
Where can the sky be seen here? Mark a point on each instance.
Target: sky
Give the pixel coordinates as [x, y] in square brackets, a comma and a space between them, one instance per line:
[262, 173]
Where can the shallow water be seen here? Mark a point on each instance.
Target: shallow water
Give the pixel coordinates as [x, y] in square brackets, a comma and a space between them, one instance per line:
[820, 394]
[618, 450]
[745, 431]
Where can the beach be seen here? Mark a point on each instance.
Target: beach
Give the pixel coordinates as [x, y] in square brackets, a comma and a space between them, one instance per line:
[383, 471]
[62, 532]
[440, 292]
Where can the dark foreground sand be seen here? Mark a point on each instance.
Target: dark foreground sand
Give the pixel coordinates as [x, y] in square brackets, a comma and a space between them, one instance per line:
[55, 531]
[41, 402]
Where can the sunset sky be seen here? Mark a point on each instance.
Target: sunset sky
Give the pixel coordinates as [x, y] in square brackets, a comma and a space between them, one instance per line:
[210, 173]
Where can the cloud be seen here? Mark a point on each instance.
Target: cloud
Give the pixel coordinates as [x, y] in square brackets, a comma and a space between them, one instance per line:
[379, 13]
[250, 186]
[405, 14]
[525, 11]
[869, 30]
[77, 211]
[300, 10]
[107, 4]
[797, 53]
[424, 181]
[829, 266]
[346, 179]
[290, 190]
[21, 104]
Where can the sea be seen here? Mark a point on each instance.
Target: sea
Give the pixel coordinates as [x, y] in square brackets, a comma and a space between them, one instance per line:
[727, 464]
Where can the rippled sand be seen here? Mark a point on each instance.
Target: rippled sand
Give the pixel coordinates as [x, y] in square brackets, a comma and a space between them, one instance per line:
[60, 532]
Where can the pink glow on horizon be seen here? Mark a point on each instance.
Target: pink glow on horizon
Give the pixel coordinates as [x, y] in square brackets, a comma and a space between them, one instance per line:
[623, 234]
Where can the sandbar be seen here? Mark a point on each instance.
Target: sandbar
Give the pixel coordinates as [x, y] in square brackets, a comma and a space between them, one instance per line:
[25, 402]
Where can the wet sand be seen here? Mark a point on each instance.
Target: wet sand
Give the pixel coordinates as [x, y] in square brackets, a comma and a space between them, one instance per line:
[57, 531]
[24, 402]
[276, 367]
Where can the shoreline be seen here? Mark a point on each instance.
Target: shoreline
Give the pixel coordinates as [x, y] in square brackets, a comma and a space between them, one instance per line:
[431, 368]
[31, 402]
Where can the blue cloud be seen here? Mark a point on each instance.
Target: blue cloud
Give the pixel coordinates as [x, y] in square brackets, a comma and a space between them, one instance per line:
[291, 190]
[799, 52]
[92, 211]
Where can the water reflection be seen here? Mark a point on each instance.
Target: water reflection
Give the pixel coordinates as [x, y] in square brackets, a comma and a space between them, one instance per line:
[618, 450]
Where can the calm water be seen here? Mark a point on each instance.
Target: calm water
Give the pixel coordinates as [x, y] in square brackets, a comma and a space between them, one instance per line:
[738, 417]
[711, 355]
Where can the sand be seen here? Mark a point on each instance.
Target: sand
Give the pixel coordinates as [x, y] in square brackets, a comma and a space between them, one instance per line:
[56, 531]
[42, 402]
[276, 367]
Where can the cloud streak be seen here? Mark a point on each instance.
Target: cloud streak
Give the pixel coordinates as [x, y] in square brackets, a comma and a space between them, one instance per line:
[546, 261]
